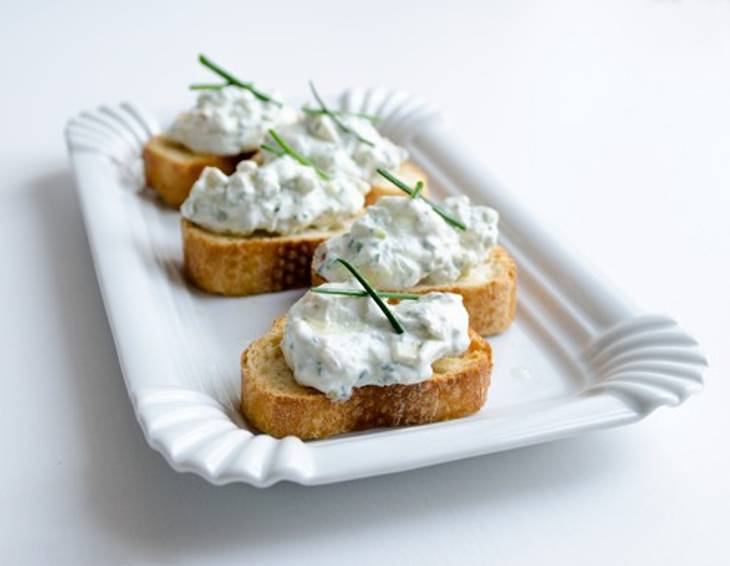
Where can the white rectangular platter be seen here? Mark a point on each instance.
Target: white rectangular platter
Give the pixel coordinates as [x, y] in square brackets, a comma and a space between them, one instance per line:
[577, 358]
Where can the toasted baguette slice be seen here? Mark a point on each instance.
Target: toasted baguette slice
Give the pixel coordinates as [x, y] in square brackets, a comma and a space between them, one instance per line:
[489, 292]
[248, 265]
[273, 402]
[172, 169]
[409, 173]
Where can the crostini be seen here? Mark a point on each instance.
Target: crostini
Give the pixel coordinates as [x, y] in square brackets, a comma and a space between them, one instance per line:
[338, 364]
[418, 246]
[256, 230]
[349, 142]
[226, 126]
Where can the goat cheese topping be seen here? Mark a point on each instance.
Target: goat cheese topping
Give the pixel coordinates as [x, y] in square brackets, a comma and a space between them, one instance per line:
[335, 343]
[228, 121]
[279, 197]
[322, 140]
[400, 243]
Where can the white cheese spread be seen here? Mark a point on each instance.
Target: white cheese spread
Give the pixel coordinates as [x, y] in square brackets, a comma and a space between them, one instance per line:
[322, 140]
[335, 343]
[402, 242]
[279, 197]
[229, 121]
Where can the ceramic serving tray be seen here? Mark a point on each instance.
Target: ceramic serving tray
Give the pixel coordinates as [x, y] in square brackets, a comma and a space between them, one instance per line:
[578, 357]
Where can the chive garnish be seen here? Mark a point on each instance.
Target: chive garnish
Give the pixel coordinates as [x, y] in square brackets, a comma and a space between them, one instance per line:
[358, 293]
[272, 149]
[374, 295]
[325, 110]
[291, 152]
[417, 191]
[320, 112]
[232, 80]
[409, 191]
[208, 86]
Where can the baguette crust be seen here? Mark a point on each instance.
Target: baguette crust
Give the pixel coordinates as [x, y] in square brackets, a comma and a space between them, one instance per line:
[172, 169]
[490, 302]
[409, 173]
[237, 265]
[276, 404]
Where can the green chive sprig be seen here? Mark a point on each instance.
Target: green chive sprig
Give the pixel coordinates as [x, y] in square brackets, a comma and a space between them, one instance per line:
[374, 295]
[285, 149]
[230, 80]
[359, 293]
[338, 113]
[414, 193]
[333, 115]
[209, 86]
[272, 149]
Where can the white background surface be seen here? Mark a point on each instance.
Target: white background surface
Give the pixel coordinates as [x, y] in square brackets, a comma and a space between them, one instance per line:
[610, 120]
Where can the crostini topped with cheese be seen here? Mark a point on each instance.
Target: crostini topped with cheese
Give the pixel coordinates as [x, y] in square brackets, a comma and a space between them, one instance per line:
[229, 117]
[350, 143]
[256, 230]
[228, 122]
[416, 244]
[347, 358]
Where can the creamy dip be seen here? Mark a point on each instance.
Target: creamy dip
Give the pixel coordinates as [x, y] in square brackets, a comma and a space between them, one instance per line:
[399, 243]
[322, 140]
[229, 121]
[335, 343]
[279, 197]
